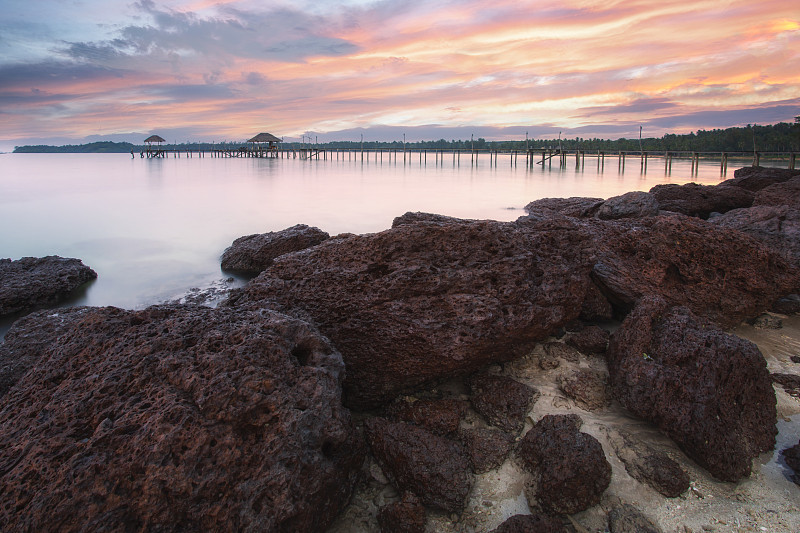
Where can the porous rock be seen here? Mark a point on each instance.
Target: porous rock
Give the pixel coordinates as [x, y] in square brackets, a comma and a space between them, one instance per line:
[579, 207]
[526, 523]
[707, 390]
[756, 178]
[792, 457]
[404, 516]
[429, 300]
[487, 448]
[789, 382]
[253, 253]
[776, 226]
[440, 416]
[648, 465]
[590, 340]
[788, 305]
[503, 401]
[697, 200]
[588, 388]
[434, 468]
[634, 204]
[786, 193]
[35, 282]
[560, 350]
[718, 273]
[570, 466]
[626, 518]
[178, 419]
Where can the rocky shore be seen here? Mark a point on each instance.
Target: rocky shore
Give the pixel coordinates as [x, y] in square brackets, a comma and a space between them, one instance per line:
[584, 368]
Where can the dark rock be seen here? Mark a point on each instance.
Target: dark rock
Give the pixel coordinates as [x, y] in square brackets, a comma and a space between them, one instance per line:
[577, 207]
[788, 305]
[503, 402]
[789, 382]
[755, 179]
[253, 253]
[636, 204]
[178, 419]
[419, 217]
[786, 193]
[526, 523]
[431, 300]
[439, 416]
[700, 200]
[792, 458]
[404, 516]
[589, 389]
[571, 466]
[434, 468]
[628, 519]
[559, 350]
[648, 465]
[707, 390]
[718, 273]
[487, 448]
[35, 282]
[767, 321]
[592, 340]
[595, 305]
[795, 359]
[777, 227]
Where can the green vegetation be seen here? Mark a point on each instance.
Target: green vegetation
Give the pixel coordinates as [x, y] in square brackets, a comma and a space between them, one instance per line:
[781, 137]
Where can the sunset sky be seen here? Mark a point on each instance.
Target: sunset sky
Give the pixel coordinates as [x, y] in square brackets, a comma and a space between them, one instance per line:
[81, 70]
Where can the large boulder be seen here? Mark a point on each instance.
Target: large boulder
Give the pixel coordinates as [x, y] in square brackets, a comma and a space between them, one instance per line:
[635, 204]
[754, 179]
[431, 299]
[577, 206]
[434, 468]
[35, 282]
[786, 193]
[570, 466]
[707, 390]
[716, 272]
[253, 253]
[697, 200]
[776, 226]
[178, 419]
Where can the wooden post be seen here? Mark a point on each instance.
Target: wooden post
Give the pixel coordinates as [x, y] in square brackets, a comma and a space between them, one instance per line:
[792, 157]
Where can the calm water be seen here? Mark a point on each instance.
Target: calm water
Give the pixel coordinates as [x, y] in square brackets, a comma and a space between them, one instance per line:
[155, 228]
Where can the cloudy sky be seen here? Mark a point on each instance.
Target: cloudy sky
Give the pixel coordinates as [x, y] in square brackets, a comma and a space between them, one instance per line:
[212, 70]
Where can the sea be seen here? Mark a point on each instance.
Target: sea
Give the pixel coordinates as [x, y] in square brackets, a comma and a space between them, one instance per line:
[154, 228]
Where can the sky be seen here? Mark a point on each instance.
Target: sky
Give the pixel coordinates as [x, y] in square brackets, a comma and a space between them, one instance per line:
[204, 70]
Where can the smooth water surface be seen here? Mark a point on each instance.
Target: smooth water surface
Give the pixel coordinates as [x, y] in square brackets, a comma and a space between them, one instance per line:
[154, 228]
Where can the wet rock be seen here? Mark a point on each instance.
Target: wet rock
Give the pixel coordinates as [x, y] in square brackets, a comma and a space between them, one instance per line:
[718, 273]
[589, 389]
[647, 465]
[431, 300]
[434, 468]
[777, 227]
[35, 282]
[526, 523]
[786, 193]
[696, 200]
[439, 416]
[635, 204]
[179, 418]
[767, 321]
[789, 382]
[755, 179]
[487, 448]
[578, 207]
[502, 401]
[253, 253]
[591, 340]
[628, 519]
[792, 458]
[707, 390]
[788, 305]
[404, 516]
[571, 468]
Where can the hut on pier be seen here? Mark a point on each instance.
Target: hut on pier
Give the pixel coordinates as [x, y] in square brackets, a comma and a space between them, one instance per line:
[154, 139]
[154, 152]
[264, 138]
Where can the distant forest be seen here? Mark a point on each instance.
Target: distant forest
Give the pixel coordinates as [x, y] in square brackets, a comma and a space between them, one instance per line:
[781, 137]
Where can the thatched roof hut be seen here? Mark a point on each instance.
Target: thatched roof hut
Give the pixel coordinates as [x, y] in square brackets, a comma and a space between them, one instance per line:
[264, 138]
[154, 139]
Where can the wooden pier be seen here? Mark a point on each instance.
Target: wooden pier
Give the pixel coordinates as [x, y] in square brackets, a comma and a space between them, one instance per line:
[531, 158]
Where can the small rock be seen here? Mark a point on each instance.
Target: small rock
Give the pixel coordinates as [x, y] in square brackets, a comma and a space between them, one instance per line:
[589, 389]
[628, 519]
[795, 358]
[404, 516]
[439, 416]
[767, 321]
[253, 253]
[526, 523]
[503, 401]
[559, 350]
[487, 448]
[592, 340]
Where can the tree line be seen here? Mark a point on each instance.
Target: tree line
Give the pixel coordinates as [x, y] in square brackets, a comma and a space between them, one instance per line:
[781, 137]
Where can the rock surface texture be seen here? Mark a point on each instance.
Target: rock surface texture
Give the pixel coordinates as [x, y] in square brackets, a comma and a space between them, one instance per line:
[526, 523]
[707, 390]
[570, 466]
[503, 401]
[178, 419]
[253, 253]
[35, 282]
[434, 468]
[700, 201]
[404, 516]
